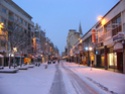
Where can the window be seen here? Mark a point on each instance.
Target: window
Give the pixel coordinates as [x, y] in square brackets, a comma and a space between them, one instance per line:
[21, 20]
[4, 10]
[25, 23]
[16, 18]
[11, 16]
[108, 27]
[3, 20]
[116, 25]
[3, 43]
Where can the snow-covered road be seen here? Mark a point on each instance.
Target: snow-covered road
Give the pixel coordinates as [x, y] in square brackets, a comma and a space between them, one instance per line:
[58, 86]
[63, 78]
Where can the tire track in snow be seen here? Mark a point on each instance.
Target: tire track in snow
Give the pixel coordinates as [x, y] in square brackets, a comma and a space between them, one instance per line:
[58, 86]
[79, 85]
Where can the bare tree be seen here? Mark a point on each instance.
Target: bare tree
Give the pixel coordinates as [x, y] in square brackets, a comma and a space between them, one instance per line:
[18, 38]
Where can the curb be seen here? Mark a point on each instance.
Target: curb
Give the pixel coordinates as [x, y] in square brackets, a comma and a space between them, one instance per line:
[9, 71]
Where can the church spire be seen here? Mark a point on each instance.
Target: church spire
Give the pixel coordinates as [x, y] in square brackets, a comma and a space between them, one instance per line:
[80, 29]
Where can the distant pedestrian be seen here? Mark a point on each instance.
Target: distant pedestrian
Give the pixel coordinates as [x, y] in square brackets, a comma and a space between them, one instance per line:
[26, 61]
[58, 61]
[46, 66]
[92, 62]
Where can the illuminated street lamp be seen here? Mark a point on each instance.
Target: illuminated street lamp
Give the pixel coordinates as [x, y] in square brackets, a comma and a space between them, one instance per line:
[88, 49]
[1, 27]
[5, 35]
[14, 50]
[101, 20]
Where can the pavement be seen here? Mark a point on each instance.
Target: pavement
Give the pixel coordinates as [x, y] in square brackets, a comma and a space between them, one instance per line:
[37, 80]
[15, 70]
[7, 70]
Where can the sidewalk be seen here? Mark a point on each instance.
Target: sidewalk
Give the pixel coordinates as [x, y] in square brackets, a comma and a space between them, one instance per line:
[15, 70]
[109, 81]
[37, 80]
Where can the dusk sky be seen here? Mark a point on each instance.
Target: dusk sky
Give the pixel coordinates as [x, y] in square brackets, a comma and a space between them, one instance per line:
[56, 17]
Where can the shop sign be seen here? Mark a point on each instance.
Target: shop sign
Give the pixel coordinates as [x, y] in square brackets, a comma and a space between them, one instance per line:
[118, 37]
[93, 36]
[109, 42]
[118, 46]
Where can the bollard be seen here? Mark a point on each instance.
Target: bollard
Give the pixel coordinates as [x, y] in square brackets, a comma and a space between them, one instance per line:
[46, 66]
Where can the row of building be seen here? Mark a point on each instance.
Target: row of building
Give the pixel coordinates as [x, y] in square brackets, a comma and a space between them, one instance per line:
[18, 31]
[104, 43]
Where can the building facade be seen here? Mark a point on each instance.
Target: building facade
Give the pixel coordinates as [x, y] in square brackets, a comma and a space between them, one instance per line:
[111, 38]
[15, 19]
[72, 38]
[107, 39]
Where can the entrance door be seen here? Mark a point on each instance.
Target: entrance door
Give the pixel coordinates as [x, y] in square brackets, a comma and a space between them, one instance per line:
[98, 60]
[120, 61]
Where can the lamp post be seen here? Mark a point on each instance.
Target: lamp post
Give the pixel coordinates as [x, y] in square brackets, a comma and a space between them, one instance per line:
[3, 34]
[20, 59]
[101, 38]
[1, 27]
[14, 51]
[80, 53]
[88, 49]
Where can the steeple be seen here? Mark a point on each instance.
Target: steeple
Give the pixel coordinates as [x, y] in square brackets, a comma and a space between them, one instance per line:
[80, 29]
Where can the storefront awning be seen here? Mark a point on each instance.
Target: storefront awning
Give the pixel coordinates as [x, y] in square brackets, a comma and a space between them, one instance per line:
[1, 55]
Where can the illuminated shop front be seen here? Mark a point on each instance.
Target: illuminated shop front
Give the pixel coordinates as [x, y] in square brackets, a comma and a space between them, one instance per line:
[112, 60]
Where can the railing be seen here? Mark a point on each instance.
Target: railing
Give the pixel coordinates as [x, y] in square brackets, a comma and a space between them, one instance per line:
[105, 36]
[108, 35]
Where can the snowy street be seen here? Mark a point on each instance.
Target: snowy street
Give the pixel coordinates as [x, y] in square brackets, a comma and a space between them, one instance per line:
[63, 78]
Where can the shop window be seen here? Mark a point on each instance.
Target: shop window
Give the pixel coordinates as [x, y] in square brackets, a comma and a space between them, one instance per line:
[102, 61]
[112, 60]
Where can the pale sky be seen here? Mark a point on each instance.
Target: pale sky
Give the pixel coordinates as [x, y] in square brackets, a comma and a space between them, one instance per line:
[56, 17]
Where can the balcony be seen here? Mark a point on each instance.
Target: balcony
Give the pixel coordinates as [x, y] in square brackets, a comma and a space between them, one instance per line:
[105, 36]
[108, 35]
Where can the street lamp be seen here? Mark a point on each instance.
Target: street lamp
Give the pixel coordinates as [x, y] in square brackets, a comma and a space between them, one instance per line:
[2, 34]
[14, 50]
[80, 48]
[88, 49]
[1, 27]
[101, 20]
